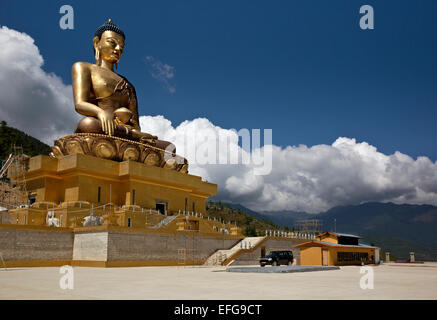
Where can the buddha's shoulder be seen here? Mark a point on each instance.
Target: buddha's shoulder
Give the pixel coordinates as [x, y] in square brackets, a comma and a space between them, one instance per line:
[82, 66]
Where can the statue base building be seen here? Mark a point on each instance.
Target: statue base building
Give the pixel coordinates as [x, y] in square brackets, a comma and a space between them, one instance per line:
[85, 181]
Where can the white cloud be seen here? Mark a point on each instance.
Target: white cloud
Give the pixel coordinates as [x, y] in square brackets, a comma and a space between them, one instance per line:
[310, 179]
[162, 72]
[32, 100]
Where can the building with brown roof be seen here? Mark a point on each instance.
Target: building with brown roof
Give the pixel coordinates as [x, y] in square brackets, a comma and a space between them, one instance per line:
[332, 249]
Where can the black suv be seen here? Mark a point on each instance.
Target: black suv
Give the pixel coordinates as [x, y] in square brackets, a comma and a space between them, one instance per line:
[276, 258]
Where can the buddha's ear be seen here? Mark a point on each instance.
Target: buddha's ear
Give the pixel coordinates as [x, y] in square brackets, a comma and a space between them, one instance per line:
[95, 42]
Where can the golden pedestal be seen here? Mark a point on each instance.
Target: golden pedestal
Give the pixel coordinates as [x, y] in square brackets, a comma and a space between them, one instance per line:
[118, 149]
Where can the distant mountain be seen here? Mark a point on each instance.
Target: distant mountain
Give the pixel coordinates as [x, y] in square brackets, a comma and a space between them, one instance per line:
[10, 136]
[395, 228]
[286, 218]
[281, 218]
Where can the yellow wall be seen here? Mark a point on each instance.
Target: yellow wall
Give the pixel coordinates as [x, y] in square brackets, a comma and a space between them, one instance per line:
[29, 216]
[328, 238]
[311, 256]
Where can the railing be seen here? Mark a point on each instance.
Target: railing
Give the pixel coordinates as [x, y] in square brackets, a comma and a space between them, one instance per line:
[154, 219]
[294, 234]
[163, 222]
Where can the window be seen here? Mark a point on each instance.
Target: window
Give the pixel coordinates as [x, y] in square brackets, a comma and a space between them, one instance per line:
[133, 196]
[128, 222]
[352, 256]
[99, 189]
[348, 240]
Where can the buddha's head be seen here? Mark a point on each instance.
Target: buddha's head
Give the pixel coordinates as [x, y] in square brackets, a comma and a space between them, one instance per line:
[108, 43]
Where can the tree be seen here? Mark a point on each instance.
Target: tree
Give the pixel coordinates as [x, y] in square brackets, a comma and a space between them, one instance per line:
[247, 219]
[3, 123]
[250, 231]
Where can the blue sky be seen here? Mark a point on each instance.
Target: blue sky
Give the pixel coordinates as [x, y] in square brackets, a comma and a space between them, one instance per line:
[303, 68]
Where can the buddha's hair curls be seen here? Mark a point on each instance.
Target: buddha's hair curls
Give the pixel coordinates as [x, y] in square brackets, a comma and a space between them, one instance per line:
[108, 26]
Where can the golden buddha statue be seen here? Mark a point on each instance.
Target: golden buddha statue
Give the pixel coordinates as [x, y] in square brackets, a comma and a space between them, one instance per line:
[106, 98]
[110, 128]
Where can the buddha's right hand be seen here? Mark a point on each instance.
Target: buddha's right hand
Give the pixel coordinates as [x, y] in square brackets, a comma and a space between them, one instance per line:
[107, 121]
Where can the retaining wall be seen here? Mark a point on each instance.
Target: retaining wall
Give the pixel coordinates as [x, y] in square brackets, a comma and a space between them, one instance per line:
[106, 247]
[35, 246]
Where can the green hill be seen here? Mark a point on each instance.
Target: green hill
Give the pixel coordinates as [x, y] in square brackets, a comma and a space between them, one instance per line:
[252, 226]
[10, 136]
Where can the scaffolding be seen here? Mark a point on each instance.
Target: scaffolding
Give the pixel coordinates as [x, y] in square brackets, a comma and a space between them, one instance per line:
[189, 247]
[13, 191]
[313, 226]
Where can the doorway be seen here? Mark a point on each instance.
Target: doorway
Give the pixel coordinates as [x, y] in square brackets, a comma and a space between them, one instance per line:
[161, 206]
[32, 198]
[263, 252]
[325, 257]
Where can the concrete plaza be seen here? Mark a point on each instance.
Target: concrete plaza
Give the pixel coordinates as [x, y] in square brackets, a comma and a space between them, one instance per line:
[391, 281]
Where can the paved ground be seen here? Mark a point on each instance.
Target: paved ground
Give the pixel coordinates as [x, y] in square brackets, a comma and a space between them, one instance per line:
[390, 282]
[280, 269]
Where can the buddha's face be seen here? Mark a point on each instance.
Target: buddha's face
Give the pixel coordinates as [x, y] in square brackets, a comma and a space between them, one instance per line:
[110, 46]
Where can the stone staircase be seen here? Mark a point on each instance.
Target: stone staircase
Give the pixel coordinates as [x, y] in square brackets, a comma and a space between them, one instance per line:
[220, 256]
[164, 222]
